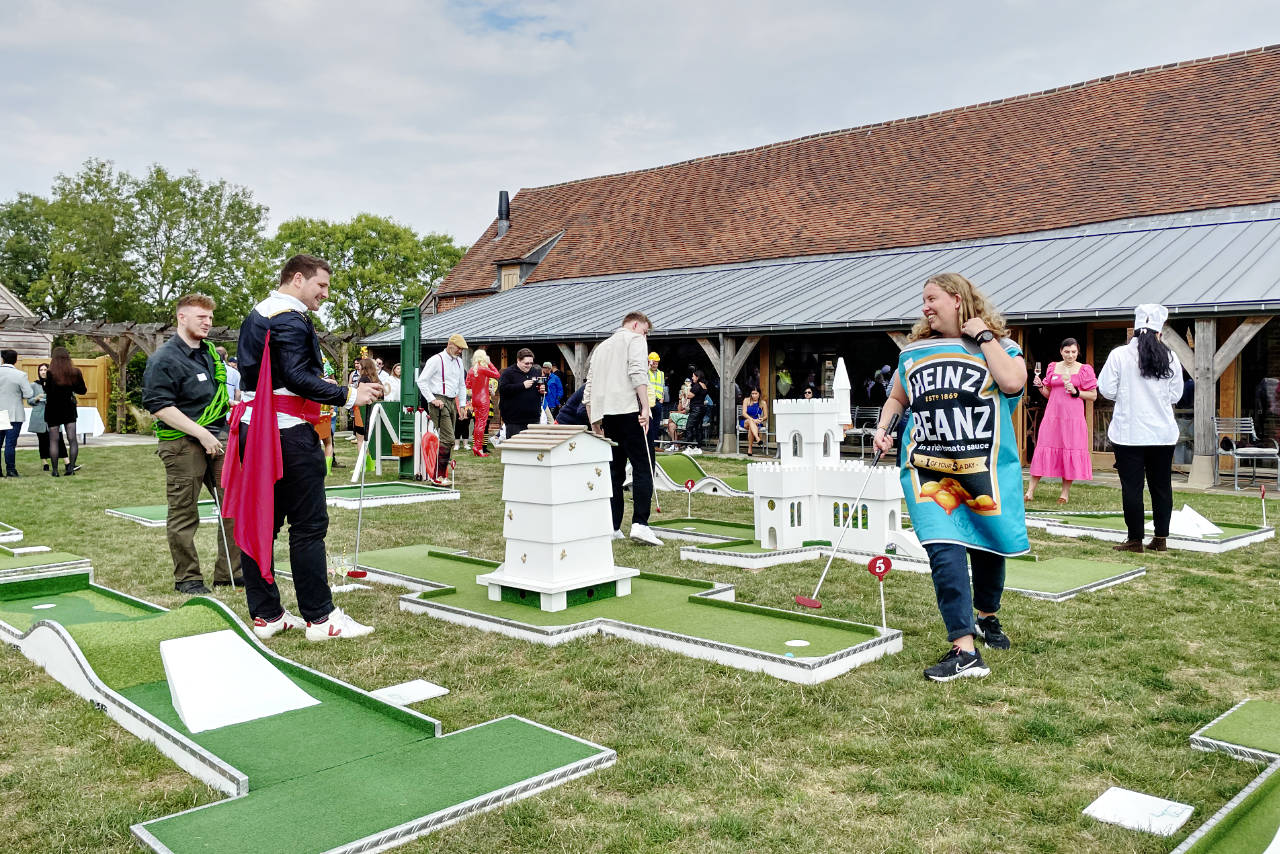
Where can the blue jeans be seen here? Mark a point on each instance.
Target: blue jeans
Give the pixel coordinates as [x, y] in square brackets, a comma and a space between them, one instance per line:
[10, 438]
[956, 601]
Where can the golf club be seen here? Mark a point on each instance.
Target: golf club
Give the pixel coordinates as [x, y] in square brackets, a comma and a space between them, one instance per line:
[812, 601]
[217, 506]
[369, 373]
[648, 452]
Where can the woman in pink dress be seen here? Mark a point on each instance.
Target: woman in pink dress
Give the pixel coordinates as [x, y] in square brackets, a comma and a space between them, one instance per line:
[1062, 442]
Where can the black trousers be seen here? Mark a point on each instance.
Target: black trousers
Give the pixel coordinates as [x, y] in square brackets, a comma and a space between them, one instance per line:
[631, 446]
[514, 429]
[1156, 463]
[300, 499]
[655, 429]
[693, 427]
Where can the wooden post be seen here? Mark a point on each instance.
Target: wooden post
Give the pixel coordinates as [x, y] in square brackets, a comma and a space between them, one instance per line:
[1205, 402]
[727, 359]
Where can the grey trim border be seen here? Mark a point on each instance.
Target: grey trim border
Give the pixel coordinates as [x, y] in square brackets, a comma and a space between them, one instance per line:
[1100, 584]
[431, 822]
[1227, 808]
[1047, 523]
[763, 560]
[1200, 741]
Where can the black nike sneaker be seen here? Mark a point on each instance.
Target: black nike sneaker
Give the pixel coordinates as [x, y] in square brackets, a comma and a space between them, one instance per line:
[957, 664]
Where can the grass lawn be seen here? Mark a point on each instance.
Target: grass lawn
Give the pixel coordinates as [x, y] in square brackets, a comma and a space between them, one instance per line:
[1101, 690]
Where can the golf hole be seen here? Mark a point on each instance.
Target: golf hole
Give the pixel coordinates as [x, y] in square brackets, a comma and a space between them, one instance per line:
[43, 607]
[797, 643]
[690, 528]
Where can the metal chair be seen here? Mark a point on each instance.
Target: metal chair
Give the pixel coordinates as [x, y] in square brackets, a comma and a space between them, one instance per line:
[1231, 432]
[863, 419]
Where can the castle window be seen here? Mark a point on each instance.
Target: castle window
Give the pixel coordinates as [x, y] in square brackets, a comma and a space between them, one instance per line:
[826, 444]
[835, 513]
[799, 512]
[793, 514]
[796, 446]
[863, 516]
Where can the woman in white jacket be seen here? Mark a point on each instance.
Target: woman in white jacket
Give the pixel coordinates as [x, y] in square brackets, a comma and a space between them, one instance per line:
[1144, 378]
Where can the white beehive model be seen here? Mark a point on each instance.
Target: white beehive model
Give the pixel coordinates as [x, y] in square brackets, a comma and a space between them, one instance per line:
[556, 519]
[808, 494]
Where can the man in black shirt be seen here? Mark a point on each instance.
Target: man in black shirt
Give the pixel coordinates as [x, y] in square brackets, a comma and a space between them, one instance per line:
[520, 394]
[185, 387]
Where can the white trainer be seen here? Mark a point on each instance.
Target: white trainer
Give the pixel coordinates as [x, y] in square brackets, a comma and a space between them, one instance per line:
[339, 625]
[642, 534]
[618, 535]
[268, 629]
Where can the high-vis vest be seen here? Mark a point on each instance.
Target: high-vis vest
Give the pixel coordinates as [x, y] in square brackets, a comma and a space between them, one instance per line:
[657, 381]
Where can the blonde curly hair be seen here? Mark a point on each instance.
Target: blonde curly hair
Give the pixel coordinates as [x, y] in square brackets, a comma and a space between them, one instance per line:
[480, 358]
[973, 303]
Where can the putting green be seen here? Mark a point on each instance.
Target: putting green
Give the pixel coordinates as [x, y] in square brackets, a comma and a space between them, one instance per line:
[394, 489]
[1115, 522]
[1249, 828]
[364, 796]
[681, 467]
[391, 489]
[1058, 574]
[321, 777]
[1256, 724]
[657, 602]
[736, 530]
[736, 481]
[31, 559]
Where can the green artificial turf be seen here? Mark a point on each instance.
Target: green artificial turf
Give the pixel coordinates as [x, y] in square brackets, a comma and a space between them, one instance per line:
[381, 490]
[1256, 724]
[681, 467]
[384, 489]
[736, 481]
[69, 608]
[294, 743]
[30, 559]
[127, 653]
[654, 602]
[737, 530]
[1249, 828]
[1058, 574]
[1115, 522]
[368, 795]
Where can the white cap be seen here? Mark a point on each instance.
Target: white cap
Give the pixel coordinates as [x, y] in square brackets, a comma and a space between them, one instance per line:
[1150, 315]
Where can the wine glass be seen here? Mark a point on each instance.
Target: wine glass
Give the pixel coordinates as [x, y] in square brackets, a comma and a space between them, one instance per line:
[1037, 373]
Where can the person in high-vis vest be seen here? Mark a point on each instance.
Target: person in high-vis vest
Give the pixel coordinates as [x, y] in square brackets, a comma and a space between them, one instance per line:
[657, 394]
[185, 387]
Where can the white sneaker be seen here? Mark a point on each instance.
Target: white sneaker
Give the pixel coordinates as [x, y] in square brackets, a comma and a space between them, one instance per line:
[265, 630]
[642, 534]
[339, 625]
[618, 535]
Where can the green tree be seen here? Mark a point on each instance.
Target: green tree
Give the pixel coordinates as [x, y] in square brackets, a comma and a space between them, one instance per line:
[25, 234]
[88, 275]
[191, 235]
[378, 266]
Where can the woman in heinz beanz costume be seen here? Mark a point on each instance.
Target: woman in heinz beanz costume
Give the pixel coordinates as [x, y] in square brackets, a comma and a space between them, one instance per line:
[958, 381]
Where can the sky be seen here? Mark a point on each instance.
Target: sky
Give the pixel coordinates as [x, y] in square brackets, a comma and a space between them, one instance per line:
[423, 111]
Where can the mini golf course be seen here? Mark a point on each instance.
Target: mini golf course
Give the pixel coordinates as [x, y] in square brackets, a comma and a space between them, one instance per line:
[348, 773]
[1111, 527]
[1250, 822]
[19, 562]
[344, 497]
[1057, 579]
[674, 470]
[9, 534]
[694, 618]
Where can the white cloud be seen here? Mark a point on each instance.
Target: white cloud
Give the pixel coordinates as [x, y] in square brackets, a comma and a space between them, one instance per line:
[423, 111]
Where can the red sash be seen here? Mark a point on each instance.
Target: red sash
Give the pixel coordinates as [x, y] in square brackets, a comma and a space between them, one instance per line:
[248, 486]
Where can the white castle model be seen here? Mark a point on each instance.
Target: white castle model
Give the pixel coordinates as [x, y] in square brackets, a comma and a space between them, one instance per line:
[557, 523]
[808, 494]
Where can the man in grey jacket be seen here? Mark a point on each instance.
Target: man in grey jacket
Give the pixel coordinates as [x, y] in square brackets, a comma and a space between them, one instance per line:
[14, 388]
[616, 395]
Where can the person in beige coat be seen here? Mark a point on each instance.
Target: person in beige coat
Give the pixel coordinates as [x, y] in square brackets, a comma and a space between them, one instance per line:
[616, 396]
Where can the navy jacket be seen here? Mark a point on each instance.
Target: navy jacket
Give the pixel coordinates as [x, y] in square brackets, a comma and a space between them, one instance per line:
[296, 363]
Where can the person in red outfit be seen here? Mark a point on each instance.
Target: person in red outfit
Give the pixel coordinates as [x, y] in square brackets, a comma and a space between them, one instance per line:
[482, 371]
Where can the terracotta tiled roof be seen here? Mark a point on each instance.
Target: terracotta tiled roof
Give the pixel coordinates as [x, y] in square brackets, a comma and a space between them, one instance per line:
[1184, 136]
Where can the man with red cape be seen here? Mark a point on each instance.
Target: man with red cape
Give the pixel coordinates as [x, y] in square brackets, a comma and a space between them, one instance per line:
[275, 467]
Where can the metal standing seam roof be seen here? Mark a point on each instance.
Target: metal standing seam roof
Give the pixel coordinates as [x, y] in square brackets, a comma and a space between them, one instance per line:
[1209, 262]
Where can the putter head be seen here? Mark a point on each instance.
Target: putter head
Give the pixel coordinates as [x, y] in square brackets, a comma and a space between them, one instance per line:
[806, 602]
[356, 573]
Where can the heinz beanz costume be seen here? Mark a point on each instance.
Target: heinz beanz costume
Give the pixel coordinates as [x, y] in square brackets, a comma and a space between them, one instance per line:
[961, 472]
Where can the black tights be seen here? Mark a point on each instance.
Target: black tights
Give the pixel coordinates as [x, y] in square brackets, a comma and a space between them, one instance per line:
[56, 441]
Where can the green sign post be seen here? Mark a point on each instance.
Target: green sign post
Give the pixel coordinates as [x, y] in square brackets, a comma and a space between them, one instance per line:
[410, 361]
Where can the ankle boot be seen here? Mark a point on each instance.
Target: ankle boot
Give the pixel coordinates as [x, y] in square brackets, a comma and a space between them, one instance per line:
[53, 467]
[1158, 544]
[442, 464]
[1129, 546]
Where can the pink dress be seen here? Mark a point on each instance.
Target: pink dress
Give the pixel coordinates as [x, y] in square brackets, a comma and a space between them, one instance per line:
[1062, 442]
